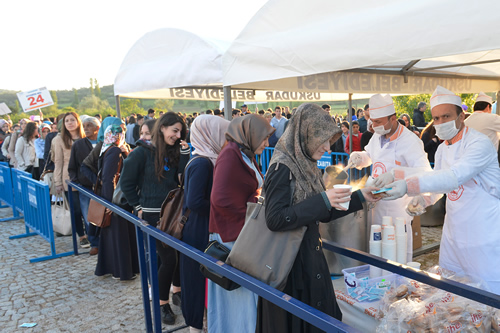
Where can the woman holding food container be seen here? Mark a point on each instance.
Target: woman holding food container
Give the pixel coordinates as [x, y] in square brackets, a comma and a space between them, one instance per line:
[309, 134]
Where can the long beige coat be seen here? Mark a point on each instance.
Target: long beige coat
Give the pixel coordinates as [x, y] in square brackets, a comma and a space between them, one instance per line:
[60, 155]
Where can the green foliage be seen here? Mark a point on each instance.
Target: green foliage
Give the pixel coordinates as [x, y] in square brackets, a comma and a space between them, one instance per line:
[97, 89]
[91, 87]
[93, 102]
[76, 102]
[17, 108]
[129, 106]
[406, 104]
[68, 109]
[164, 105]
[468, 99]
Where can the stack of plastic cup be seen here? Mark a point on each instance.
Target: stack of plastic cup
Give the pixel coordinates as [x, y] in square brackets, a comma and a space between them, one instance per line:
[375, 248]
[401, 239]
[388, 245]
[386, 221]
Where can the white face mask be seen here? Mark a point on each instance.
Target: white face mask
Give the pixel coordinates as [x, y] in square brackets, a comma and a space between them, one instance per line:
[446, 131]
[380, 130]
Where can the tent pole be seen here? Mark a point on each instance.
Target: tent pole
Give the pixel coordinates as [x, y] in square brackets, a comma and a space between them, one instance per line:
[118, 115]
[349, 115]
[228, 109]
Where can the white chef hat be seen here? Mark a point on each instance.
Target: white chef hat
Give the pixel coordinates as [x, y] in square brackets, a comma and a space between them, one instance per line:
[444, 96]
[482, 97]
[381, 106]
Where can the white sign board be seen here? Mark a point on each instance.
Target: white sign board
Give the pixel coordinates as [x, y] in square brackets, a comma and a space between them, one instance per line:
[35, 99]
[4, 109]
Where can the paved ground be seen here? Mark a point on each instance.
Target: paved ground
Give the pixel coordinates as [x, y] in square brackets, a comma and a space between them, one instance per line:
[64, 295]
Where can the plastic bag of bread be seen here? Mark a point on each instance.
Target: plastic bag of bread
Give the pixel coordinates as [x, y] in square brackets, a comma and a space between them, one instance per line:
[411, 306]
[495, 321]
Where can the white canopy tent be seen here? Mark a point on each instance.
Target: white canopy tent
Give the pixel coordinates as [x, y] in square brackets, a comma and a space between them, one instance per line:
[363, 46]
[173, 63]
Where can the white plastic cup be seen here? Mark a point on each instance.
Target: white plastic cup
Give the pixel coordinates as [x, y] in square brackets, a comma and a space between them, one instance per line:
[344, 204]
[389, 251]
[400, 226]
[401, 248]
[376, 248]
[386, 221]
[375, 233]
[413, 264]
[388, 235]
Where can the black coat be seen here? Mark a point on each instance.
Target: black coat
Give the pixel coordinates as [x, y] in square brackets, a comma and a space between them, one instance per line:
[79, 151]
[309, 280]
[418, 118]
[46, 150]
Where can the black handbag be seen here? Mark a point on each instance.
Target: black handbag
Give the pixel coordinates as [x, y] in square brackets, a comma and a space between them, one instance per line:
[219, 252]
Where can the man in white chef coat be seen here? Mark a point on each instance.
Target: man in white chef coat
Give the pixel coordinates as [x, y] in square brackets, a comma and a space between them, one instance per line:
[466, 169]
[482, 120]
[391, 146]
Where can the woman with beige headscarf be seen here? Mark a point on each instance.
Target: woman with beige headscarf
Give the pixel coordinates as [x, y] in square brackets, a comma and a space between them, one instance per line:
[237, 180]
[207, 139]
[308, 136]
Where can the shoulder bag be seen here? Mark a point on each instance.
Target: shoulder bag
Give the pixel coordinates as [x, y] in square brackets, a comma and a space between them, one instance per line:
[47, 176]
[99, 215]
[219, 252]
[264, 254]
[172, 220]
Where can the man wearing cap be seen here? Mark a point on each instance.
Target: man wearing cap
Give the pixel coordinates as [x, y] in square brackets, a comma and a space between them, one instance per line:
[466, 169]
[244, 109]
[391, 146]
[482, 120]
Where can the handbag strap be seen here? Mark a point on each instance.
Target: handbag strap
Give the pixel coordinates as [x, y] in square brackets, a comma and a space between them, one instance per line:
[261, 198]
[98, 182]
[185, 216]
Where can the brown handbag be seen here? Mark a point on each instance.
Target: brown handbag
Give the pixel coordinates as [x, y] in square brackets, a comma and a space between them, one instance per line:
[172, 220]
[99, 215]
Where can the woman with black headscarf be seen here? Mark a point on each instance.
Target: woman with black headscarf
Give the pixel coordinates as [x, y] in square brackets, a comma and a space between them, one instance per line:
[309, 135]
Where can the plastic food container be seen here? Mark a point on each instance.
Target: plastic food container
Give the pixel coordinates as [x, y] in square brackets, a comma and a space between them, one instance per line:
[363, 288]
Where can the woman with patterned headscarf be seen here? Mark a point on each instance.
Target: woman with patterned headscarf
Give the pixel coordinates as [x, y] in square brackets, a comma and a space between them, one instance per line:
[237, 180]
[117, 243]
[309, 134]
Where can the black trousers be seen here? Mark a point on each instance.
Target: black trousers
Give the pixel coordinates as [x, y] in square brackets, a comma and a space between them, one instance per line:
[168, 272]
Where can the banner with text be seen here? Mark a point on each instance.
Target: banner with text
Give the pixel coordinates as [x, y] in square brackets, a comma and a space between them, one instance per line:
[35, 99]
[4, 109]
[371, 83]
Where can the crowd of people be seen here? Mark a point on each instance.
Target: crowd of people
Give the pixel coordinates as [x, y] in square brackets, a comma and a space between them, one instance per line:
[148, 155]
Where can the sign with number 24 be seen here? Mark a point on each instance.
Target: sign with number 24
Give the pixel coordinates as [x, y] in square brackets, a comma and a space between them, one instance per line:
[35, 99]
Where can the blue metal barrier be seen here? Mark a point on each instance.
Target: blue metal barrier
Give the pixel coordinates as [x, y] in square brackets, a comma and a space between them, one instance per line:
[37, 215]
[6, 192]
[16, 186]
[295, 307]
[326, 160]
[266, 156]
[299, 309]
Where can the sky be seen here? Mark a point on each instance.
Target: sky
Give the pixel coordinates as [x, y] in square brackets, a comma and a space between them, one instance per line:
[62, 44]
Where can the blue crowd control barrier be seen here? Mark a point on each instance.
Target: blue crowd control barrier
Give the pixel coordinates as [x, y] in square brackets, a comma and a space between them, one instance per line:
[16, 186]
[6, 192]
[294, 306]
[37, 215]
[265, 157]
[299, 309]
